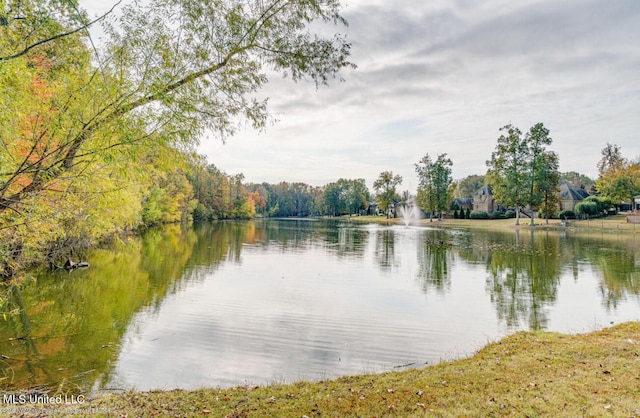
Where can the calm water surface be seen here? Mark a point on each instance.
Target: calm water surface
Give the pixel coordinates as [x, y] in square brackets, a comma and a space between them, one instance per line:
[247, 303]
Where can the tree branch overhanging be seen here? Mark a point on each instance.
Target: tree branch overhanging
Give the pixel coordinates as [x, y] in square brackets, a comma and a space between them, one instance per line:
[58, 36]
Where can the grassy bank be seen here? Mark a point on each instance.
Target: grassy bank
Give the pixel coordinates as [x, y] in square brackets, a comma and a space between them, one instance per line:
[615, 224]
[526, 374]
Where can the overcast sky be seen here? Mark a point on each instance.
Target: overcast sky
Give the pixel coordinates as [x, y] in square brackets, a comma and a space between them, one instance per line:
[442, 77]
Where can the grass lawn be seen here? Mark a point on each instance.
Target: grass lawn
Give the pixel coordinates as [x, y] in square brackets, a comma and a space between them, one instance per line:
[527, 374]
[617, 223]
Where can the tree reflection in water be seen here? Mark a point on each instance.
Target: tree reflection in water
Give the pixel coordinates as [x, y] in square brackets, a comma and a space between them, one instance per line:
[67, 329]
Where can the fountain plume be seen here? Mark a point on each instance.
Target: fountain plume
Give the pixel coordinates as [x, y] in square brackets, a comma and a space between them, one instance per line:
[409, 212]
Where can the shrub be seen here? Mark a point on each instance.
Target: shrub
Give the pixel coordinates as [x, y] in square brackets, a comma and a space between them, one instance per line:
[567, 214]
[510, 214]
[496, 214]
[586, 208]
[600, 203]
[479, 214]
[455, 214]
[467, 214]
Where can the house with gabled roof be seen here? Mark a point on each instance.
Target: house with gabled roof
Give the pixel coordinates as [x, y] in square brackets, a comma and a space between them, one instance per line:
[570, 196]
[462, 203]
[483, 200]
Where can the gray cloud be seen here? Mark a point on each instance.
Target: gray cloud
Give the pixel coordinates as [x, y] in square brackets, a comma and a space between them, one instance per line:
[458, 70]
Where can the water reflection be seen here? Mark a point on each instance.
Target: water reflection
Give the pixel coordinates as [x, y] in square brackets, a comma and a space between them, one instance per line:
[385, 249]
[523, 278]
[256, 301]
[435, 260]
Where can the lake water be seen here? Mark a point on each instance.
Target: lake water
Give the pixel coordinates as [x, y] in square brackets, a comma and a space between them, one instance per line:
[258, 302]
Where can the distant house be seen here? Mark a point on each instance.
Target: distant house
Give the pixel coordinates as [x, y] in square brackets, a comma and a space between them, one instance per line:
[373, 208]
[570, 196]
[483, 200]
[635, 216]
[462, 203]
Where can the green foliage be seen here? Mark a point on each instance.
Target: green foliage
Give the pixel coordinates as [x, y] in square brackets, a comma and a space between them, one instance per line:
[467, 214]
[89, 151]
[548, 185]
[345, 196]
[586, 209]
[619, 178]
[243, 210]
[510, 214]
[578, 180]
[385, 187]
[333, 200]
[286, 199]
[221, 196]
[601, 205]
[496, 214]
[152, 211]
[455, 214]
[567, 214]
[505, 169]
[435, 183]
[202, 213]
[169, 200]
[478, 214]
[521, 171]
[468, 186]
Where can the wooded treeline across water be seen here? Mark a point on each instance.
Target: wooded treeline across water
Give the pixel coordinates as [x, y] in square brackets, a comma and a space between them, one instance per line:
[99, 137]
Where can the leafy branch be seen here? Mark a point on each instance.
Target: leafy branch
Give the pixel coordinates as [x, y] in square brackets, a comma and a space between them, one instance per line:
[59, 35]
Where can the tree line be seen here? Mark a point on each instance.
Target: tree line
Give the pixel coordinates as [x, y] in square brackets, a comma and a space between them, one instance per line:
[523, 172]
[99, 138]
[220, 196]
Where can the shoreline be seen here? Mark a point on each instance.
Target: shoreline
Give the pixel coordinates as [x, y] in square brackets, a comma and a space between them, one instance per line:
[611, 224]
[529, 373]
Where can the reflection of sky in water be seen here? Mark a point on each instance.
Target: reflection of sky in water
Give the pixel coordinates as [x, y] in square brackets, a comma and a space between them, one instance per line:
[314, 313]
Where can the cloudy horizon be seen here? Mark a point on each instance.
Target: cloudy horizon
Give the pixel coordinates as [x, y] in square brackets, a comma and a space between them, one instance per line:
[443, 77]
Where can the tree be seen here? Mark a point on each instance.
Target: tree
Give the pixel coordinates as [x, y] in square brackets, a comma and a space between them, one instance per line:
[578, 180]
[385, 187]
[332, 199]
[43, 22]
[620, 185]
[619, 178]
[611, 159]
[350, 196]
[548, 184]
[434, 189]
[171, 82]
[505, 169]
[78, 123]
[213, 191]
[356, 195]
[468, 186]
[521, 169]
[426, 198]
[539, 178]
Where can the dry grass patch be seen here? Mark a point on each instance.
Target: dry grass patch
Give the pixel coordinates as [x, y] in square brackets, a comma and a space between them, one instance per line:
[526, 374]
